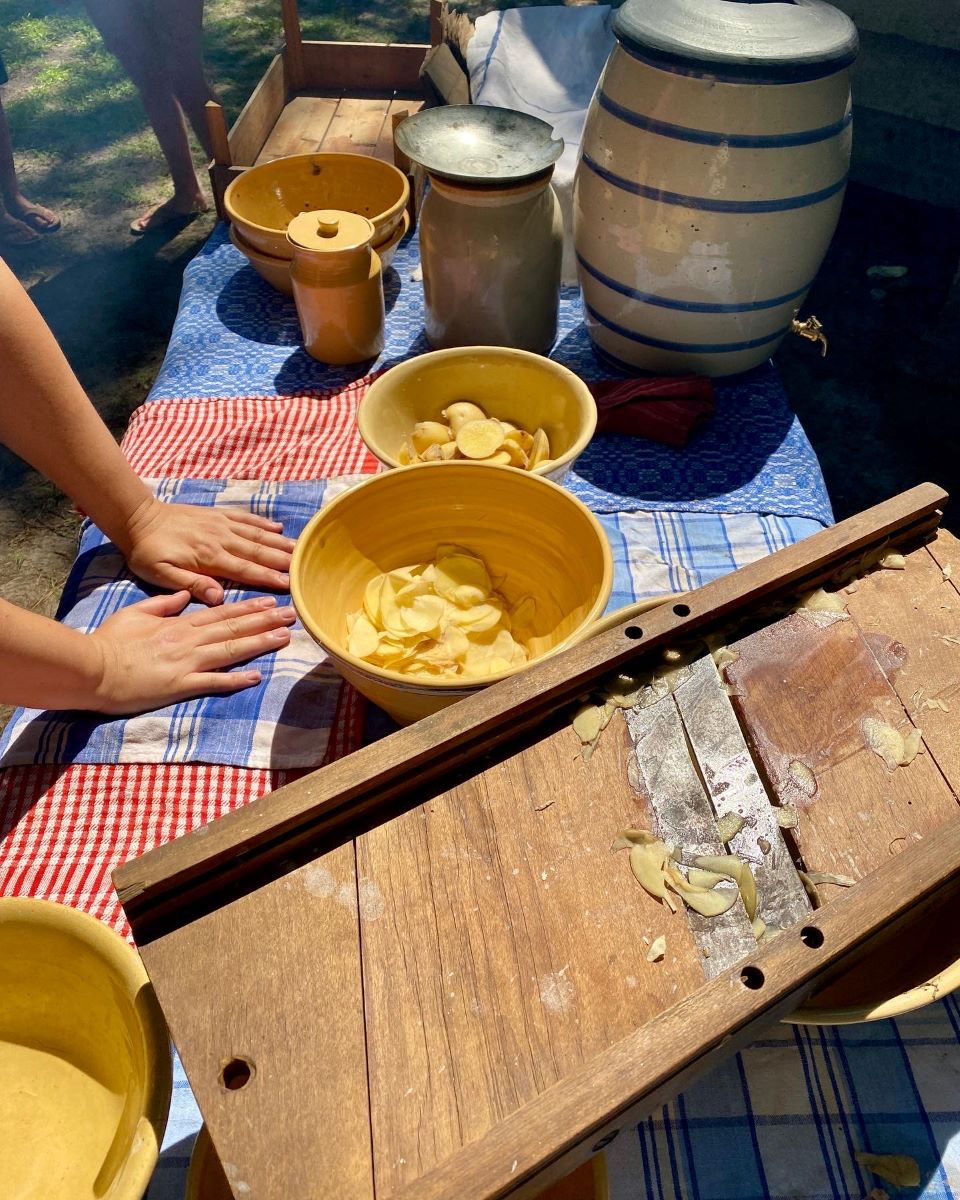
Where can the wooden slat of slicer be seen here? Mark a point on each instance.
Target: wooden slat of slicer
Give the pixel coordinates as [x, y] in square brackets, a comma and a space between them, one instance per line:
[421, 972]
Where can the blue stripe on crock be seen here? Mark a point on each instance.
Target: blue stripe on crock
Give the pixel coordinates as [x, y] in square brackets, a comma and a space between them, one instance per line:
[765, 74]
[683, 347]
[694, 306]
[707, 203]
[708, 137]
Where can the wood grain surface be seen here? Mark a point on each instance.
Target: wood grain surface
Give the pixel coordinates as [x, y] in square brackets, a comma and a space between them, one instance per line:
[271, 986]
[515, 948]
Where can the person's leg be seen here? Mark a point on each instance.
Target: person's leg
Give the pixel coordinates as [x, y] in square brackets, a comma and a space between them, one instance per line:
[21, 222]
[126, 32]
[179, 24]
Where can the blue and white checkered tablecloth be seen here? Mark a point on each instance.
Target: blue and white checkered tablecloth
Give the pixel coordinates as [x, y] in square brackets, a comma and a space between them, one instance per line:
[783, 1119]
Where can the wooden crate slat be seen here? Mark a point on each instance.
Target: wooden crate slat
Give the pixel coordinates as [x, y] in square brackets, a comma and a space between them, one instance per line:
[259, 115]
[356, 125]
[363, 66]
[300, 128]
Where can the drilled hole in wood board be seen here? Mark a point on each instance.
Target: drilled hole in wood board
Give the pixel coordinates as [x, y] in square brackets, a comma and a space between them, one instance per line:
[604, 1141]
[236, 1074]
[682, 610]
[634, 632]
[811, 936]
[752, 977]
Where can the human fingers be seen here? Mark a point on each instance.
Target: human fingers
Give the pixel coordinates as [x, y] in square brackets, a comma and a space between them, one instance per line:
[231, 649]
[264, 555]
[201, 587]
[164, 605]
[216, 683]
[236, 608]
[237, 626]
[250, 573]
[271, 528]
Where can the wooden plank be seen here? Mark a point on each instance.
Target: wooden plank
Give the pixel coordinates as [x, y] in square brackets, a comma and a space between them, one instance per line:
[219, 137]
[220, 179]
[293, 51]
[565, 1124]
[355, 126]
[683, 816]
[225, 986]
[515, 950]
[300, 128]
[363, 66]
[259, 115]
[733, 784]
[192, 875]
[446, 75]
[803, 689]
[398, 111]
[905, 617]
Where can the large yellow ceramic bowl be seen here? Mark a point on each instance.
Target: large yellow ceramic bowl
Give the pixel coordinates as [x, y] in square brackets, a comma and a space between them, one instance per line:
[263, 200]
[85, 1064]
[513, 385]
[276, 271]
[535, 538]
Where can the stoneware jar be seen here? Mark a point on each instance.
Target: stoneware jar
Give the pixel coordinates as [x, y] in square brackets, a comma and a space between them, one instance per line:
[491, 263]
[337, 286]
[713, 164]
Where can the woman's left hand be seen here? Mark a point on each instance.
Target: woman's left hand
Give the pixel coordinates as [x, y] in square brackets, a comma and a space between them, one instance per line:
[186, 546]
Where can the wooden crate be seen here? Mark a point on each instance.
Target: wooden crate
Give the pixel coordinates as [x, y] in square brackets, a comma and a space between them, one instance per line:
[330, 96]
[421, 972]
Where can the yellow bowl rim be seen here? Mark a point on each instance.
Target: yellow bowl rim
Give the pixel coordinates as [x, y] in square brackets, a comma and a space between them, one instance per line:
[588, 408]
[274, 260]
[423, 682]
[387, 214]
[936, 988]
[125, 960]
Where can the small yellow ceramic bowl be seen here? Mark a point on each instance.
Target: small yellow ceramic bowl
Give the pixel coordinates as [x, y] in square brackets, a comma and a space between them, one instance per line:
[276, 271]
[513, 385]
[263, 200]
[85, 1063]
[535, 537]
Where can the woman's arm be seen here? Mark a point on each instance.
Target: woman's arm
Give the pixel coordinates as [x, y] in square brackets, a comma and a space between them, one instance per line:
[46, 419]
[143, 657]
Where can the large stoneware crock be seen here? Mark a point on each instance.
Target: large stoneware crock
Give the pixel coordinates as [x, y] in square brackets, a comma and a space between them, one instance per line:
[712, 171]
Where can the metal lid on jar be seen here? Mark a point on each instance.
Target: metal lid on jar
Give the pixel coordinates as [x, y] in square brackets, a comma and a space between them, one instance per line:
[739, 41]
[329, 229]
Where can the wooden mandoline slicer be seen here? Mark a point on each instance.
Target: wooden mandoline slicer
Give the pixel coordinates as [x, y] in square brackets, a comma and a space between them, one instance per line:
[423, 972]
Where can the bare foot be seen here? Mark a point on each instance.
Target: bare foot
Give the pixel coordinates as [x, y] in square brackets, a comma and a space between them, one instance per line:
[34, 216]
[167, 213]
[16, 233]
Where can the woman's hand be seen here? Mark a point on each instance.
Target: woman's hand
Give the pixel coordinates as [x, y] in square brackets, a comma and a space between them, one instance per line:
[189, 546]
[152, 657]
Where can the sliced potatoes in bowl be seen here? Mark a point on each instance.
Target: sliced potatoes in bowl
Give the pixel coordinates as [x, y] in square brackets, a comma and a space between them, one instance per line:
[489, 404]
[426, 584]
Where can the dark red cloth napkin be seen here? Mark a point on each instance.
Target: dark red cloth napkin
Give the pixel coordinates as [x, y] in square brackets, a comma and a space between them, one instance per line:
[663, 409]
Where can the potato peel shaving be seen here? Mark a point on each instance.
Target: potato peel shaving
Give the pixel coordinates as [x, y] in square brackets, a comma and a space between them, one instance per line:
[889, 743]
[899, 1169]
[657, 949]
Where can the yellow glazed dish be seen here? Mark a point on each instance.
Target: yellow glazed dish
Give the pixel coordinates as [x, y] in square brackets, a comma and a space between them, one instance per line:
[540, 540]
[276, 271]
[85, 1063]
[512, 385]
[263, 200]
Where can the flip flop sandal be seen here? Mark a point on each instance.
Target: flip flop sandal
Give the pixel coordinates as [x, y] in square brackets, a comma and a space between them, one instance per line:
[150, 221]
[40, 222]
[24, 236]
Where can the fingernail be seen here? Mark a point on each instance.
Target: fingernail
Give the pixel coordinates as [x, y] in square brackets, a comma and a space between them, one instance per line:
[211, 595]
[253, 677]
[284, 579]
[280, 635]
[288, 614]
[267, 601]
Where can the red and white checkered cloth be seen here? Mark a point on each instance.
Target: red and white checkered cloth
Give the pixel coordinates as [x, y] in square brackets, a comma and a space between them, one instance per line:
[64, 828]
[254, 437]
